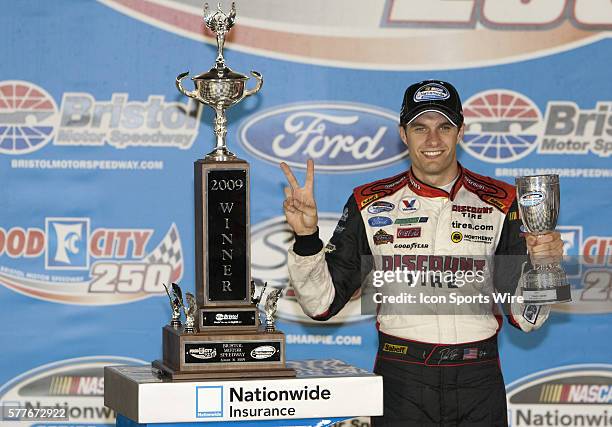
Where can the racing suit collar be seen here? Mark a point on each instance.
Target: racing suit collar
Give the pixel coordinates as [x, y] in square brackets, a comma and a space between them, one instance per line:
[425, 190]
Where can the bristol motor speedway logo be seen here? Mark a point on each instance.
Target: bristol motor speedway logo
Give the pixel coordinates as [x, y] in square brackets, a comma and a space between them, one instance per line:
[269, 243]
[73, 386]
[340, 137]
[30, 119]
[503, 126]
[574, 395]
[79, 264]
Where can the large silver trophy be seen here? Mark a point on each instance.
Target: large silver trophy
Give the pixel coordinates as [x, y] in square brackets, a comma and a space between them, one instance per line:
[220, 87]
[222, 336]
[538, 200]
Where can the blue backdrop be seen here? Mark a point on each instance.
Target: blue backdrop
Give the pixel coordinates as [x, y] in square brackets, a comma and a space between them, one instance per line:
[96, 175]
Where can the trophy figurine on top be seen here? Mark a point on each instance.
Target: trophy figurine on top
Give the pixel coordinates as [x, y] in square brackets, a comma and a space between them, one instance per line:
[227, 339]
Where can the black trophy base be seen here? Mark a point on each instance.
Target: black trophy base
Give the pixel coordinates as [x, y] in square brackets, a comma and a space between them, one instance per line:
[228, 354]
[547, 296]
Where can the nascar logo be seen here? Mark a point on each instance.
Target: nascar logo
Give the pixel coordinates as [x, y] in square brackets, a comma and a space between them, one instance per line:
[30, 118]
[569, 395]
[75, 385]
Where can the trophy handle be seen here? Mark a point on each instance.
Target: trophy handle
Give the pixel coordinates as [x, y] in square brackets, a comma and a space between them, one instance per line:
[179, 85]
[258, 85]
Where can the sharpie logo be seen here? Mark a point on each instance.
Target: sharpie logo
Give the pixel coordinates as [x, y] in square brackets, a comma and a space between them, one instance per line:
[339, 137]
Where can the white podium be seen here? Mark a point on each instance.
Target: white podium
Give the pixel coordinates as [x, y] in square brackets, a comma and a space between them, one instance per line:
[323, 392]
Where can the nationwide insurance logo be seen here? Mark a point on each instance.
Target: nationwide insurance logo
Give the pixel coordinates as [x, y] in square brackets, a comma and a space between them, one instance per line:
[575, 395]
[30, 119]
[82, 264]
[73, 386]
[503, 126]
[325, 32]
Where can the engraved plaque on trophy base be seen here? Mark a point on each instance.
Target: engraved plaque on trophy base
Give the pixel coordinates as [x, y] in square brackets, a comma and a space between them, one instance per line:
[224, 318]
[226, 355]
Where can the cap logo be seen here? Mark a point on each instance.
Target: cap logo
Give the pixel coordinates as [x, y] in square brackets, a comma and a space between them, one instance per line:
[431, 92]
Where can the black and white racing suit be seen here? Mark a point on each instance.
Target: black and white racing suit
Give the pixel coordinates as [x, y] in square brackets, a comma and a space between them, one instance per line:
[438, 369]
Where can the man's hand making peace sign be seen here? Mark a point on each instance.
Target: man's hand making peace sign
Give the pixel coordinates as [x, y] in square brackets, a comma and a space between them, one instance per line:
[300, 206]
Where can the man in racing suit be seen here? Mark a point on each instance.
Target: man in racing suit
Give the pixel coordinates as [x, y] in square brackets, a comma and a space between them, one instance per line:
[441, 369]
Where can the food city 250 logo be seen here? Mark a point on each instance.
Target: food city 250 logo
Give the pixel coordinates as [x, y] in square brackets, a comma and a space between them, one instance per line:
[340, 137]
[503, 126]
[588, 265]
[78, 264]
[30, 119]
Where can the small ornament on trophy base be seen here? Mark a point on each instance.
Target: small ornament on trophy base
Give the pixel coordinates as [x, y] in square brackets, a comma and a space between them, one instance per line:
[175, 306]
[271, 305]
[227, 339]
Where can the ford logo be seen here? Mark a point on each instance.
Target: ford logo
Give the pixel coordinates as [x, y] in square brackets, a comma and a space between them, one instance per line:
[380, 221]
[338, 137]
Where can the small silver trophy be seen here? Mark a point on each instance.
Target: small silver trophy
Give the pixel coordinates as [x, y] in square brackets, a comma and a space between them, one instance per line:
[190, 311]
[220, 87]
[270, 307]
[538, 201]
[175, 305]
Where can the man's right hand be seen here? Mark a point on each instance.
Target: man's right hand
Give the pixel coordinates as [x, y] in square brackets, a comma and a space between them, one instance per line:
[300, 206]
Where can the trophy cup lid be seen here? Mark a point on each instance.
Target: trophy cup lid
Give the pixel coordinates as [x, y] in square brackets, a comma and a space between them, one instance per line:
[222, 72]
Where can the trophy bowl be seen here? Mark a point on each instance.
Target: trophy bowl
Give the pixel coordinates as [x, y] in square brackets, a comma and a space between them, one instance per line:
[539, 199]
[219, 89]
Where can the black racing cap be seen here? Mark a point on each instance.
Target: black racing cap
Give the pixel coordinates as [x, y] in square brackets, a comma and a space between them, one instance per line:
[432, 95]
